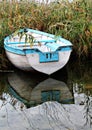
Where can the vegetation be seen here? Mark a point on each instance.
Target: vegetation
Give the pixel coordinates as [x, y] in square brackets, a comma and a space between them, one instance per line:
[82, 75]
[72, 21]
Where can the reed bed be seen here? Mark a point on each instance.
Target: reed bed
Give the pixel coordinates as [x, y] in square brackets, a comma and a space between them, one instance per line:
[72, 21]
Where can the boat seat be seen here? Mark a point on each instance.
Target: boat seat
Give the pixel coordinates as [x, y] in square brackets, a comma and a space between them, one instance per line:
[53, 46]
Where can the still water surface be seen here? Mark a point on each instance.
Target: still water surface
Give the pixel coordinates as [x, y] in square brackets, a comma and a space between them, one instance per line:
[35, 88]
[35, 101]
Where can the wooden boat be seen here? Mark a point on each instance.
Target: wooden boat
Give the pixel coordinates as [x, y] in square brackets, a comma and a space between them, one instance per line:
[30, 49]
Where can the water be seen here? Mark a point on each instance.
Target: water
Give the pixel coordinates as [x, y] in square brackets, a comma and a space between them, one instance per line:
[62, 100]
[36, 88]
[15, 81]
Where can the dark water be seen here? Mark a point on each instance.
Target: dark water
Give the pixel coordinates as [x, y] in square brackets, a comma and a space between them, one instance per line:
[35, 88]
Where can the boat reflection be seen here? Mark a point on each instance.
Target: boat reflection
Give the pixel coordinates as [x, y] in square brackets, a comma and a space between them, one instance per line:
[33, 90]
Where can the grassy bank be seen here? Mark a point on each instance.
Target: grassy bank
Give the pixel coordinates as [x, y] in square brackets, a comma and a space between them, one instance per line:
[72, 21]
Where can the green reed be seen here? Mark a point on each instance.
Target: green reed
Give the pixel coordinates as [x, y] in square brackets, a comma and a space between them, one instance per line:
[72, 21]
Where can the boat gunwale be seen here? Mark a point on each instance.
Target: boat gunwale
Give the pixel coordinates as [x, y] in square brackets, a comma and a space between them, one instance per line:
[55, 38]
[8, 45]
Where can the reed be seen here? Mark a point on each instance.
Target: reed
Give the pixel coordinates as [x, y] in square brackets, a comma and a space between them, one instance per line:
[72, 21]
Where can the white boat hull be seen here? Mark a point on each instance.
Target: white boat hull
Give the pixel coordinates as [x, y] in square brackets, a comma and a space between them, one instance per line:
[30, 49]
[31, 62]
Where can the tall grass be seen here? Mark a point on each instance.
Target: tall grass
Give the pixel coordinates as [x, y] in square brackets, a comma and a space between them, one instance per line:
[72, 21]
